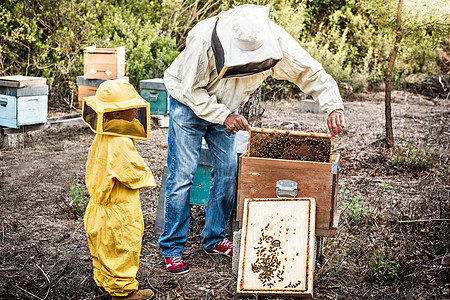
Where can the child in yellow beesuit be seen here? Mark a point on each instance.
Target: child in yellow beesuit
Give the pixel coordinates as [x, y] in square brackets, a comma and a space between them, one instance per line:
[114, 174]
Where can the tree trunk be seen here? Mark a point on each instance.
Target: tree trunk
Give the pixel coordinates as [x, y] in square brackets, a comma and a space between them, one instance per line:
[388, 80]
[251, 109]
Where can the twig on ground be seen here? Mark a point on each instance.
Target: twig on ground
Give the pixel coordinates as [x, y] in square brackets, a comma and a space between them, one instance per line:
[10, 269]
[426, 271]
[226, 285]
[65, 267]
[423, 220]
[25, 291]
[383, 292]
[3, 231]
[46, 277]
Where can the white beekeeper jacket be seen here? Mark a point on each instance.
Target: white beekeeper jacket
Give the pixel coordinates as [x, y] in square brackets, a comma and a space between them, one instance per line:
[193, 80]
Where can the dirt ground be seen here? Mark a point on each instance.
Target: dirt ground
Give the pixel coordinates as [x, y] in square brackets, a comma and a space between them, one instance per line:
[375, 254]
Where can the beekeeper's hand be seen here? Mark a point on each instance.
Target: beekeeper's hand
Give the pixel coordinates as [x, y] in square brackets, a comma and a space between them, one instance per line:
[236, 123]
[336, 122]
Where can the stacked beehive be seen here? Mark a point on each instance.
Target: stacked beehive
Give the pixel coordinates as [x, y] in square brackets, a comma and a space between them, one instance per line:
[23, 101]
[287, 187]
[100, 64]
[306, 158]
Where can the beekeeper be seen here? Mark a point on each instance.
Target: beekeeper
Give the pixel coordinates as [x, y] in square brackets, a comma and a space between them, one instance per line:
[114, 174]
[226, 58]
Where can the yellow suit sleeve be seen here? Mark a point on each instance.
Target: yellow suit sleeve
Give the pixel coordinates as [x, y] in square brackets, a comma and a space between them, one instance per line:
[129, 168]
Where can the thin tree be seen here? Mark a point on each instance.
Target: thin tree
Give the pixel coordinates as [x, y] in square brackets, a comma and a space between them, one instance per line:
[388, 78]
[412, 18]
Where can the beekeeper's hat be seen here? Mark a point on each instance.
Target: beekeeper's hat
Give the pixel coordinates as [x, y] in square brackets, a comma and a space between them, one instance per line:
[117, 95]
[243, 42]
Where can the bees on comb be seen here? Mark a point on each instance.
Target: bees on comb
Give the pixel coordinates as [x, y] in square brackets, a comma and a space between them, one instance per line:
[290, 146]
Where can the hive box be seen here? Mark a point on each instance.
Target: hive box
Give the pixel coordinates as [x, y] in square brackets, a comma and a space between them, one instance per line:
[154, 91]
[257, 178]
[22, 102]
[104, 63]
[88, 87]
[310, 106]
[201, 182]
[199, 190]
[277, 248]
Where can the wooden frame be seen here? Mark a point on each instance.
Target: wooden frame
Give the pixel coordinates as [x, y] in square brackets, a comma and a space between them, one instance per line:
[277, 247]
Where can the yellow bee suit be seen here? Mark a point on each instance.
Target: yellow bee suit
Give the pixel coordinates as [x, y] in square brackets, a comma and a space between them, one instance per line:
[113, 219]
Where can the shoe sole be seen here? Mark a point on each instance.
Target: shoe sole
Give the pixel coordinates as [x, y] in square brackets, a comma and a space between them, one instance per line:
[213, 252]
[175, 272]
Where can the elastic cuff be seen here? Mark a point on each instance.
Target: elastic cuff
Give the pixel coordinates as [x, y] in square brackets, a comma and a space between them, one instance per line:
[334, 109]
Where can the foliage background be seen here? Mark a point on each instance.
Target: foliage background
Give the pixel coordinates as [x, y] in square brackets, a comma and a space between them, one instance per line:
[352, 39]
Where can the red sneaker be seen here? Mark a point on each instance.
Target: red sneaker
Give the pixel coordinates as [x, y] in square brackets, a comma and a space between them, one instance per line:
[176, 265]
[224, 247]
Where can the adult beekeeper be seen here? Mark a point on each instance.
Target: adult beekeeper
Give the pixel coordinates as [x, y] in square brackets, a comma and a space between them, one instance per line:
[114, 174]
[226, 58]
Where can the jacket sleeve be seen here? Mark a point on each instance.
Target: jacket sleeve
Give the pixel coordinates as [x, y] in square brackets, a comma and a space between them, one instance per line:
[128, 167]
[194, 68]
[300, 68]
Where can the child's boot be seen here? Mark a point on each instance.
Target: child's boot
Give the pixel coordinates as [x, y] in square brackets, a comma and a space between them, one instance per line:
[137, 295]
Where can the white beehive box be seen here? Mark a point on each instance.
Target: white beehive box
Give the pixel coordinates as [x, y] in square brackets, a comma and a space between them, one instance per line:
[277, 248]
[23, 101]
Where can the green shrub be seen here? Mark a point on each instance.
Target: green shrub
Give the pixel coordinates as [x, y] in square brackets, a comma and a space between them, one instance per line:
[350, 202]
[79, 197]
[379, 267]
[407, 156]
[351, 39]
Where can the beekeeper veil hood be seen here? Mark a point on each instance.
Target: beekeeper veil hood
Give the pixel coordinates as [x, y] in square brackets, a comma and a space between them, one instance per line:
[243, 42]
[117, 109]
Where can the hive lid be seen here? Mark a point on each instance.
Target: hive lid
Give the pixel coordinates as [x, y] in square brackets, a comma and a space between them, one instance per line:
[95, 50]
[19, 81]
[153, 84]
[81, 80]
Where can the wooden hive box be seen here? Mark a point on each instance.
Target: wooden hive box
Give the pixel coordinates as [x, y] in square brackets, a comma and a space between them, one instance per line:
[23, 101]
[104, 63]
[277, 248]
[317, 173]
[88, 87]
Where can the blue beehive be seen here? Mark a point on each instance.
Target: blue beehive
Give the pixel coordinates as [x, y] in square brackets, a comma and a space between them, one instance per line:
[23, 101]
[154, 91]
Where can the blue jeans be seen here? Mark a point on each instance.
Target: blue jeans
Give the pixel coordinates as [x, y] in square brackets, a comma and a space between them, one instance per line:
[186, 131]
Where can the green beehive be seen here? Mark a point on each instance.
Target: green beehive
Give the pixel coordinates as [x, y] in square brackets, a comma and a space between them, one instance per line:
[201, 182]
[154, 91]
[202, 179]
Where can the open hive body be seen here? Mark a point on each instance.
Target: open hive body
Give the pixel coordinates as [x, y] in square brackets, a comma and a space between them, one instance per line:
[277, 247]
[306, 158]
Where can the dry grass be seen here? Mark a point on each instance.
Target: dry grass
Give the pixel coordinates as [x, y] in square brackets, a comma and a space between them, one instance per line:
[44, 253]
